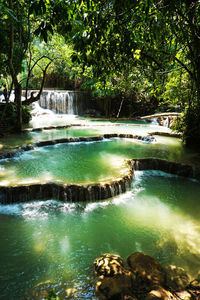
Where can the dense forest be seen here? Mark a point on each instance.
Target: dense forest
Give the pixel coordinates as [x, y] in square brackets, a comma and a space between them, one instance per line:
[146, 51]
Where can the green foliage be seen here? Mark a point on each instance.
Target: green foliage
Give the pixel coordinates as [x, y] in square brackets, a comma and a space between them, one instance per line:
[191, 127]
[52, 295]
[176, 91]
[55, 49]
[146, 48]
[11, 114]
[26, 115]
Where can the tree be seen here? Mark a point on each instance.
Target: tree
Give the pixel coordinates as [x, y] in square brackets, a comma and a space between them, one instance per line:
[158, 36]
[18, 23]
[60, 54]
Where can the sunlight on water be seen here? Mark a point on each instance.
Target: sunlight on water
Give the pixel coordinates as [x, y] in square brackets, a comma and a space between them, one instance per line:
[64, 245]
[60, 240]
[55, 242]
[64, 163]
[71, 162]
[151, 213]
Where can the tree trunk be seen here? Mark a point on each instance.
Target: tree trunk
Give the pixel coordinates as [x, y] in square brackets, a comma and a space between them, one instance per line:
[18, 95]
[120, 107]
[37, 97]
[17, 85]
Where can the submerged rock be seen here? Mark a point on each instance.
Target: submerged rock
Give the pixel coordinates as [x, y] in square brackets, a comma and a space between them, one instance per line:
[177, 278]
[148, 271]
[145, 279]
[159, 294]
[108, 265]
[40, 291]
[114, 288]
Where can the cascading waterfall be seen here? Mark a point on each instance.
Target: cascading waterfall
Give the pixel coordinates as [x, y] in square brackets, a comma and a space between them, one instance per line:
[154, 121]
[166, 122]
[65, 102]
[70, 103]
[58, 102]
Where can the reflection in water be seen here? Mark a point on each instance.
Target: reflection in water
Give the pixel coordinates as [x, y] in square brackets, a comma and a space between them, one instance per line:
[88, 129]
[58, 241]
[83, 162]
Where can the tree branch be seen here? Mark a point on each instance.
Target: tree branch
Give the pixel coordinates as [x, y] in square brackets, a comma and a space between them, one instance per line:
[37, 97]
[31, 69]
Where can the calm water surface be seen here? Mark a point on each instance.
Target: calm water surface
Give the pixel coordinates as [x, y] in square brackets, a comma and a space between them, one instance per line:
[88, 129]
[57, 242]
[85, 162]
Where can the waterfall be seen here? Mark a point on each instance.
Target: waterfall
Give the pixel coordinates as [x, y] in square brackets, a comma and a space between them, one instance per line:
[166, 122]
[154, 121]
[70, 103]
[66, 102]
[60, 102]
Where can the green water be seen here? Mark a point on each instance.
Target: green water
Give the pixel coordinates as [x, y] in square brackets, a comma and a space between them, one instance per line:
[83, 162]
[57, 242]
[87, 129]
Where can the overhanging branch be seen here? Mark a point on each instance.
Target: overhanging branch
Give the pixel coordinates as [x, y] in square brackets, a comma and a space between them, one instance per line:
[37, 97]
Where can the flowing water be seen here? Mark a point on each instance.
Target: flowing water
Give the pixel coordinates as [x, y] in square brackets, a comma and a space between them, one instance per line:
[51, 244]
[87, 129]
[56, 242]
[83, 162]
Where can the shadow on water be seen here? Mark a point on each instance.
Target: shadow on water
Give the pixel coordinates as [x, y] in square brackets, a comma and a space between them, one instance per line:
[57, 242]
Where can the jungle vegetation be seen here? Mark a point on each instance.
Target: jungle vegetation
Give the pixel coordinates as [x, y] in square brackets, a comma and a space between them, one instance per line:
[149, 48]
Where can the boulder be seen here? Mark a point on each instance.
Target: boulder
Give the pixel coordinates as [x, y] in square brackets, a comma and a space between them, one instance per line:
[144, 280]
[160, 294]
[147, 270]
[114, 288]
[108, 265]
[177, 278]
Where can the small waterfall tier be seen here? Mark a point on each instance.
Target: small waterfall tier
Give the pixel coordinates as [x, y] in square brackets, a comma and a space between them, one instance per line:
[93, 192]
[66, 192]
[64, 102]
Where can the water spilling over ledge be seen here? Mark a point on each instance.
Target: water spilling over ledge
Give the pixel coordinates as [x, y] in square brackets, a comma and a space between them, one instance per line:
[92, 192]
[64, 192]
[58, 240]
[63, 102]
[21, 149]
[179, 169]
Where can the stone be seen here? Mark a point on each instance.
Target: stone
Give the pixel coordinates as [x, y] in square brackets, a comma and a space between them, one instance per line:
[160, 294]
[148, 271]
[40, 291]
[176, 278]
[114, 288]
[194, 288]
[70, 292]
[185, 295]
[108, 265]
[144, 280]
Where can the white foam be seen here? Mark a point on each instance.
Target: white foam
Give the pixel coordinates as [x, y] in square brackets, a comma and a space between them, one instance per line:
[10, 209]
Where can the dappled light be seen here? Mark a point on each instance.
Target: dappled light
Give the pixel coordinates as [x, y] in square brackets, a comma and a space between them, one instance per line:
[62, 232]
[99, 150]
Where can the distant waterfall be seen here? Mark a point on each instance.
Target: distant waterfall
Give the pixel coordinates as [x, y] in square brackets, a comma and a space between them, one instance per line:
[70, 102]
[65, 102]
[166, 122]
[154, 121]
[59, 102]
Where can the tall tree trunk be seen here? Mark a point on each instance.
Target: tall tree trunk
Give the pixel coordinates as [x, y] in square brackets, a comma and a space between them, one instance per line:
[120, 107]
[18, 97]
[17, 85]
[37, 97]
